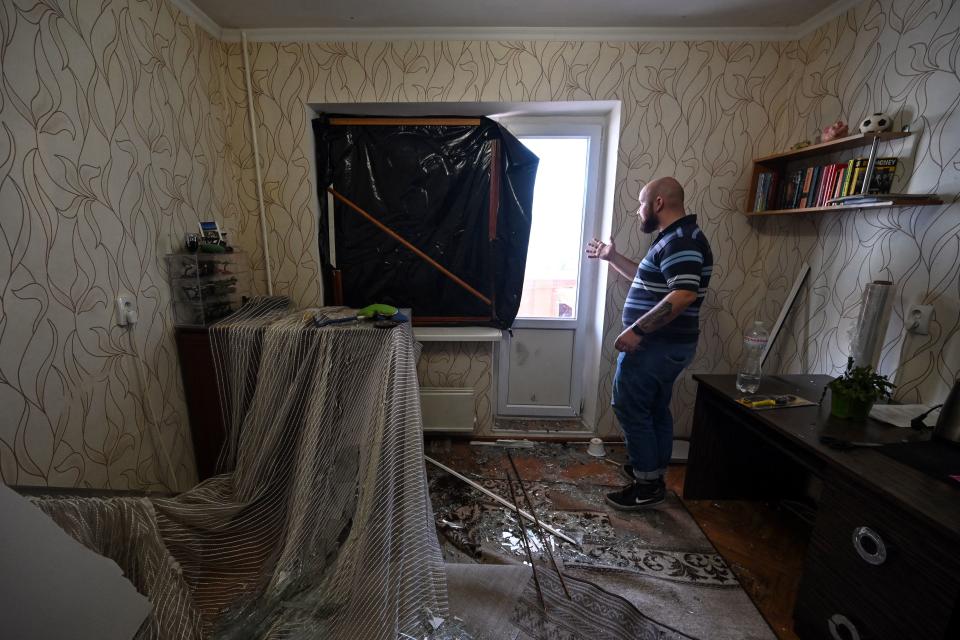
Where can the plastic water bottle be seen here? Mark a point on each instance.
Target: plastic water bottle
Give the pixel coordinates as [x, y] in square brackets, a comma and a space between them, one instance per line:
[754, 342]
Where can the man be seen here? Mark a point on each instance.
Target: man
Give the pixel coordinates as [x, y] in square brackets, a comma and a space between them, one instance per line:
[659, 339]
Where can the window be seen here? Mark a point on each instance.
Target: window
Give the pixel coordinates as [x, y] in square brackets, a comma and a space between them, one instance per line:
[551, 279]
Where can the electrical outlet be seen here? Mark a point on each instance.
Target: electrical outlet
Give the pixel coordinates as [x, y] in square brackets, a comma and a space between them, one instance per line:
[126, 310]
[121, 310]
[918, 319]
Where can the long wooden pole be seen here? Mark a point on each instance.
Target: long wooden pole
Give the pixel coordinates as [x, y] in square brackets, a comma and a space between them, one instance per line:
[380, 122]
[393, 234]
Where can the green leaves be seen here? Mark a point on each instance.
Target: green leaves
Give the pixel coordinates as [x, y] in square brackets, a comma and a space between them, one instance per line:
[862, 383]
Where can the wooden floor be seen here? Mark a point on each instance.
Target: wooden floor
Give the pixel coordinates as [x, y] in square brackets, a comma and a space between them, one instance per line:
[764, 545]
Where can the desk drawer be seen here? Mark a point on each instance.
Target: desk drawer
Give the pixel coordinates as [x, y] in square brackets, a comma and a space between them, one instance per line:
[900, 579]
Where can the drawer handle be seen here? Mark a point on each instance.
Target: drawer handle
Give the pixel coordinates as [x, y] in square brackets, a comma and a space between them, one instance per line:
[841, 628]
[869, 545]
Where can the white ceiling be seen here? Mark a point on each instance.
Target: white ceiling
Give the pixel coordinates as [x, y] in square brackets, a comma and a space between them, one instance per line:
[621, 14]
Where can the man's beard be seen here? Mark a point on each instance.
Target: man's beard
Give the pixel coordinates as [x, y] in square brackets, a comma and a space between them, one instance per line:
[650, 224]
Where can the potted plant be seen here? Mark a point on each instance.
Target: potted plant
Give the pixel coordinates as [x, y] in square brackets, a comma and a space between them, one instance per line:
[856, 390]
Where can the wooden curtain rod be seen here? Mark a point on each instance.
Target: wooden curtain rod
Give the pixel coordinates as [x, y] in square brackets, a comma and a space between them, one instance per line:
[393, 234]
[449, 122]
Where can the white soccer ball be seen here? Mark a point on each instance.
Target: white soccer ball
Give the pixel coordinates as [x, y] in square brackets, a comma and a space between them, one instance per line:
[876, 122]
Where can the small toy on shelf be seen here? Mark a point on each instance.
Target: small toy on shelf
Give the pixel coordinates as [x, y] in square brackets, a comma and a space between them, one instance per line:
[800, 145]
[876, 122]
[834, 131]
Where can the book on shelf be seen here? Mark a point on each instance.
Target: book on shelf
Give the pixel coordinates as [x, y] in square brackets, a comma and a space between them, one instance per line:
[882, 198]
[856, 182]
[881, 181]
[854, 200]
[883, 172]
[798, 194]
[847, 177]
[823, 185]
[758, 198]
[805, 190]
[815, 186]
[820, 177]
[789, 189]
[841, 178]
[837, 170]
[766, 197]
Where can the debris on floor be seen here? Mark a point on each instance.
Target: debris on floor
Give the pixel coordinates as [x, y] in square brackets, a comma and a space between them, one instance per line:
[658, 560]
[485, 531]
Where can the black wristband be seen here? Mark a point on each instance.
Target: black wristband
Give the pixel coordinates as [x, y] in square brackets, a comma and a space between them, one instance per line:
[637, 330]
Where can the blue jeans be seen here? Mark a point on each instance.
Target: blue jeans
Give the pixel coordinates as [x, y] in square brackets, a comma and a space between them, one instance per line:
[642, 388]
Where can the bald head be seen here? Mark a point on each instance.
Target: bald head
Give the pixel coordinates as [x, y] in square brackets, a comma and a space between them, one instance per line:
[661, 203]
[669, 190]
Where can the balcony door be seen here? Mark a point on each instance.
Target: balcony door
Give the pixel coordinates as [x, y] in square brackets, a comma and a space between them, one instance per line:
[540, 369]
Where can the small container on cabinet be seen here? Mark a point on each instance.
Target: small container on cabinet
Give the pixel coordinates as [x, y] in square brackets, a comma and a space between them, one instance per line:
[206, 287]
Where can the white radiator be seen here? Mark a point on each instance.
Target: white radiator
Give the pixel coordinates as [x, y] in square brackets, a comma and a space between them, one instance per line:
[447, 408]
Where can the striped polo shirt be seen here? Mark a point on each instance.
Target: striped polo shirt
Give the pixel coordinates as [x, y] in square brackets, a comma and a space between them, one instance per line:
[680, 258]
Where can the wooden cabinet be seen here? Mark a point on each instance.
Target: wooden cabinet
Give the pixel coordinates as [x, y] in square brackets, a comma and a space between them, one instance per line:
[203, 399]
[874, 571]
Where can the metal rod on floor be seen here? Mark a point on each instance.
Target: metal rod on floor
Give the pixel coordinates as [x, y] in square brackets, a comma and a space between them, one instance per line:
[526, 543]
[526, 496]
[505, 503]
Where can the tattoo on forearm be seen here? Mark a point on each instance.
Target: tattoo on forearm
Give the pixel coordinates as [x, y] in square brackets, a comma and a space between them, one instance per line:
[657, 317]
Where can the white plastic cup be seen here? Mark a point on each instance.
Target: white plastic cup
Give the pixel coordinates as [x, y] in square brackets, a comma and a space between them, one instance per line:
[595, 448]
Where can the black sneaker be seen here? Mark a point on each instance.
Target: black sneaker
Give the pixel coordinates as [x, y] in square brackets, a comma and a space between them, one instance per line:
[626, 470]
[637, 496]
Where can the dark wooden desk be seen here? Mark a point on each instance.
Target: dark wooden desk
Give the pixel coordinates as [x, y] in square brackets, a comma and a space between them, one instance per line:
[914, 592]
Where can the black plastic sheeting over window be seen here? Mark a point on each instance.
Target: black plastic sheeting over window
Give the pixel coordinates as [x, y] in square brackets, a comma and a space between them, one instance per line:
[432, 184]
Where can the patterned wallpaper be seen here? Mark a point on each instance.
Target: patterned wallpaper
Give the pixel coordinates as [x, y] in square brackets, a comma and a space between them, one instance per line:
[111, 146]
[697, 110]
[700, 111]
[123, 123]
[900, 57]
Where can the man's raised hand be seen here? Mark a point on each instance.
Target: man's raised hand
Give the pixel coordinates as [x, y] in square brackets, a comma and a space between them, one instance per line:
[602, 250]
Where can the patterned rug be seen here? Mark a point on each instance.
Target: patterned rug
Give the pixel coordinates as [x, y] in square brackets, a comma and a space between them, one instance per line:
[501, 602]
[650, 574]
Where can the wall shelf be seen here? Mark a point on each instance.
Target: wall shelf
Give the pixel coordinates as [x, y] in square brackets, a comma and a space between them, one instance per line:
[779, 163]
[848, 207]
[841, 144]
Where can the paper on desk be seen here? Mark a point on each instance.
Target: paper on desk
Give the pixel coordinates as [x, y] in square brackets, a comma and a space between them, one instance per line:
[900, 415]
